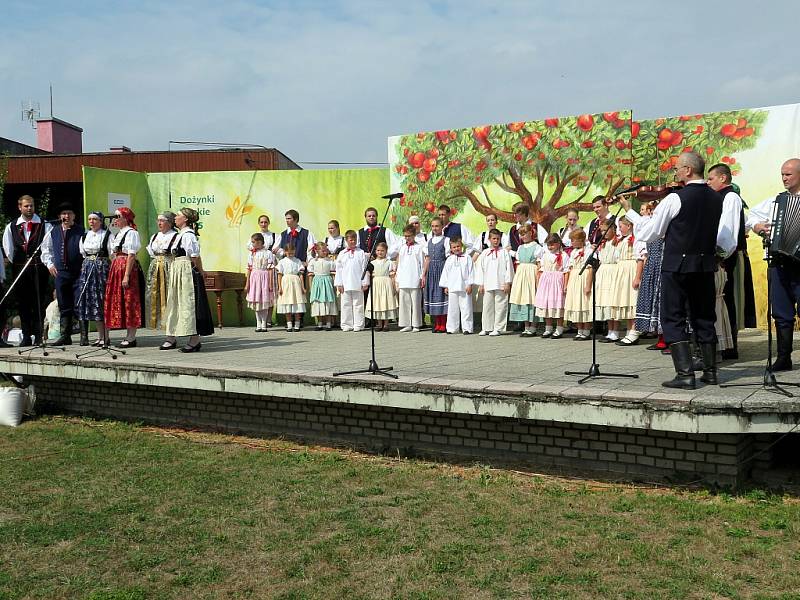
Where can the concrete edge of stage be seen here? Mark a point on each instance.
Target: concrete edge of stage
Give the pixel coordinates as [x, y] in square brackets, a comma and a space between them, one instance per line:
[685, 412]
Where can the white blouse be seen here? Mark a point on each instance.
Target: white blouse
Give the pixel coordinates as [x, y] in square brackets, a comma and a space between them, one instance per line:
[261, 260]
[132, 243]
[188, 241]
[321, 266]
[91, 243]
[159, 243]
[290, 265]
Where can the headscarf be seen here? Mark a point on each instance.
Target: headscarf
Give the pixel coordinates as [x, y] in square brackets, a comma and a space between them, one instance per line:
[128, 215]
[168, 216]
[100, 216]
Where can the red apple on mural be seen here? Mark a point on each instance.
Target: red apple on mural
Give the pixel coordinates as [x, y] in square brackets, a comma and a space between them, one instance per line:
[585, 122]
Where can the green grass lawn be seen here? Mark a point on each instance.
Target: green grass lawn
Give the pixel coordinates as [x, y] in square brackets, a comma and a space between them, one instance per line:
[101, 510]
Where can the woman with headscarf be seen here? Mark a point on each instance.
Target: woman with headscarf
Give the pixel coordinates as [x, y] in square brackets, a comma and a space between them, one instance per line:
[125, 287]
[188, 312]
[160, 250]
[96, 246]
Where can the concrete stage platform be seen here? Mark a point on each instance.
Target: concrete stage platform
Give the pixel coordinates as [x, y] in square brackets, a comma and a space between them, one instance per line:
[492, 399]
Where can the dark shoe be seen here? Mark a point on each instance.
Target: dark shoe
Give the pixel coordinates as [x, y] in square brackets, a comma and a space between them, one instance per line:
[84, 333]
[168, 346]
[4, 344]
[709, 352]
[127, 344]
[784, 343]
[730, 354]
[682, 360]
[189, 348]
[65, 339]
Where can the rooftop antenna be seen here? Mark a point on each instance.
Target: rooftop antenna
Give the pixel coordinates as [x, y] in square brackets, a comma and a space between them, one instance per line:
[51, 100]
[29, 113]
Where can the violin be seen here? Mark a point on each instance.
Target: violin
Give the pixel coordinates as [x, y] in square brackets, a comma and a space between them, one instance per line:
[647, 193]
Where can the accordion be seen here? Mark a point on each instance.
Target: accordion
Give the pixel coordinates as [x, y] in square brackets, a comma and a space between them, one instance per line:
[785, 238]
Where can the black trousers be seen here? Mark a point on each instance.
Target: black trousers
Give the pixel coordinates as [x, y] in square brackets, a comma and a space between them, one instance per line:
[784, 289]
[66, 294]
[31, 308]
[688, 296]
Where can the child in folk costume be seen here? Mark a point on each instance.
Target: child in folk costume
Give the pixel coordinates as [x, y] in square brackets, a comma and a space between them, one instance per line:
[629, 255]
[352, 281]
[523, 288]
[551, 286]
[493, 274]
[648, 304]
[291, 288]
[259, 286]
[578, 301]
[382, 301]
[604, 278]
[456, 280]
[436, 251]
[723, 322]
[323, 292]
[409, 281]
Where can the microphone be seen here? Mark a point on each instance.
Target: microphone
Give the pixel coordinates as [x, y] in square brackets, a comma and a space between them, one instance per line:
[54, 221]
[393, 196]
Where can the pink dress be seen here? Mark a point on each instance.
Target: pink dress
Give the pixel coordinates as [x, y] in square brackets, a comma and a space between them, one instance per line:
[261, 295]
[550, 291]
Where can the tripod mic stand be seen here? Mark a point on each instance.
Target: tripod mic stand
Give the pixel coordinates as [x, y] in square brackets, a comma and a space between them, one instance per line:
[104, 347]
[35, 259]
[768, 383]
[594, 368]
[373, 367]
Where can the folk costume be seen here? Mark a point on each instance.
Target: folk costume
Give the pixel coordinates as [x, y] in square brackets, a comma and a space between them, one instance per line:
[523, 289]
[323, 293]
[382, 299]
[21, 239]
[627, 253]
[96, 248]
[436, 251]
[261, 285]
[123, 305]
[351, 276]
[292, 299]
[160, 250]
[648, 302]
[551, 289]
[494, 270]
[457, 276]
[303, 241]
[577, 303]
[408, 281]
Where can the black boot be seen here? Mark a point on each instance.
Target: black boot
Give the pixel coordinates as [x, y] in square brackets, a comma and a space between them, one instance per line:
[697, 356]
[784, 343]
[84, 333]
[709, 352]
[65, 339]
[684, 374]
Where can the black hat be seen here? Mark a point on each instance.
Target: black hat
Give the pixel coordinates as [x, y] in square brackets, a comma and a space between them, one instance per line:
[65, 206]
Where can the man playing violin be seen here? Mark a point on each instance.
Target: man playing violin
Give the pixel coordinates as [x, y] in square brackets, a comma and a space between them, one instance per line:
[688, 220]
[784, 273]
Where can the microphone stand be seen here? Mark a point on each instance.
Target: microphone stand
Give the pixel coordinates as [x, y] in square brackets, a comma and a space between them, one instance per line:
[33, 259]
[373, 367]
[768, 383]
[594, 368]
[103, 347]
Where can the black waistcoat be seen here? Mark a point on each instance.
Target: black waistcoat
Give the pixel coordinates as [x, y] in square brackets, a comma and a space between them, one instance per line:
[368, 240]
[690, 243]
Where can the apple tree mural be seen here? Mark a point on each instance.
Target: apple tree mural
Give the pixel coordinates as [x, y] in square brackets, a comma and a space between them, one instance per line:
[551, 165]
[715, 136]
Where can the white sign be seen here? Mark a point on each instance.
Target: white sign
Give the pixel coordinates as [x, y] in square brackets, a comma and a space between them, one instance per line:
[117, 201]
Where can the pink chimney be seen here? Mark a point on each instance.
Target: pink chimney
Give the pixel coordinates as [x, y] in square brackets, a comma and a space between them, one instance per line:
[58, 137]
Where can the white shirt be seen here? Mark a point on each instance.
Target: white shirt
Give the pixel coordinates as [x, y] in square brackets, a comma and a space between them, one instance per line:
[335, 244]
[494, 269]
[457, 274]
[541, 235]
[133, 242]
[188, 241]
[410, 261]
[549, 261]
[421, 238]
[436, 239]
[91, 243]
[565, 239]
[290, 265]
[482, 242]
[350, 266]
[159, 243]
[731, 220]
[760, 213]
[47, 248]
[466, 236]
[278, 251]
[261, 260]
[651, 228]
[8, 240]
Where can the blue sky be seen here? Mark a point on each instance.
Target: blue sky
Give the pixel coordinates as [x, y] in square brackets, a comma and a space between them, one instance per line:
[330, 81]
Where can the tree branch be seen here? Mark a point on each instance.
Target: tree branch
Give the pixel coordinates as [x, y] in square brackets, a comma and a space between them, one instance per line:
[504, 186]
[485, 210]
[486, 195]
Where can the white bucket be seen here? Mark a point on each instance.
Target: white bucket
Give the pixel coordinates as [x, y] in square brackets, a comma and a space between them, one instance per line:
[12, 405]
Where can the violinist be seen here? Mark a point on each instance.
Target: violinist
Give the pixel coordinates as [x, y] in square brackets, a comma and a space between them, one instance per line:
[688, 220]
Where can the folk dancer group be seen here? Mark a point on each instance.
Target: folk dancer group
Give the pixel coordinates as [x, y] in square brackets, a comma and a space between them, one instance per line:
[98, 278]
[678, 269]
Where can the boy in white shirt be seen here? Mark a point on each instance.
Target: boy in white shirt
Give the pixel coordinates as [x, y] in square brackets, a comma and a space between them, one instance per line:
[456, 280]
[494, 273]
[409, 282]
[352, 281]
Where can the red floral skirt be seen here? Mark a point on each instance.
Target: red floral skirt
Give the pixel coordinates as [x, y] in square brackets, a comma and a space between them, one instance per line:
[123, 307]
